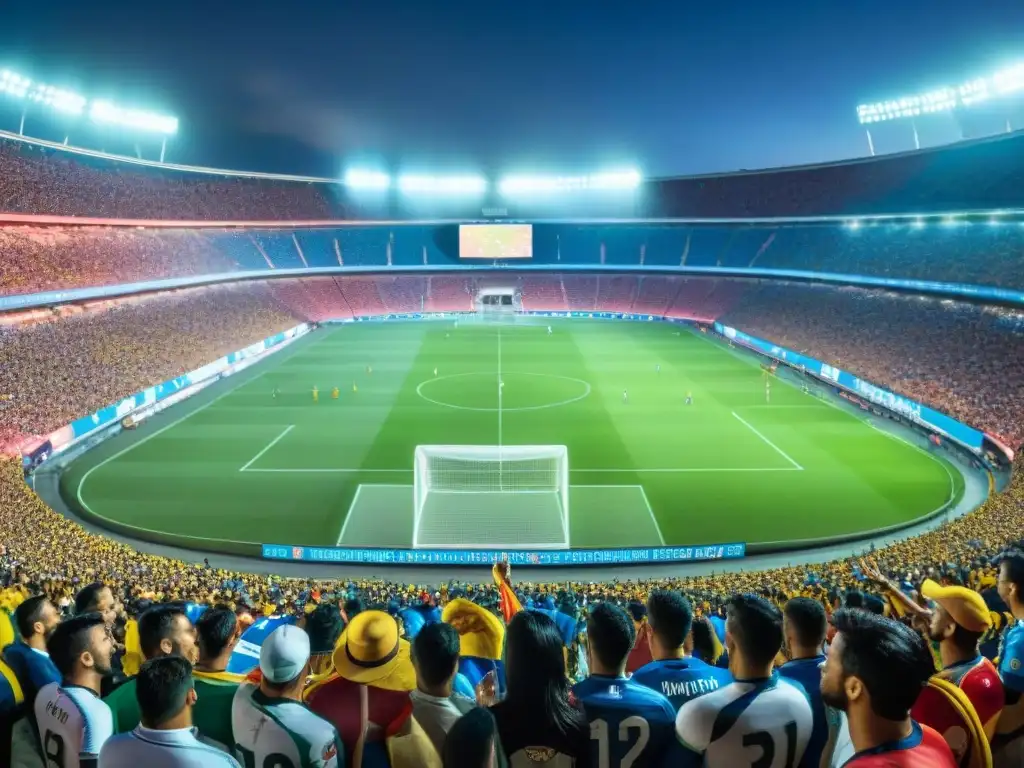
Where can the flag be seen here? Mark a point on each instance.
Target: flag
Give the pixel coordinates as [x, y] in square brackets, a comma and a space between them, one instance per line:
[507, 601]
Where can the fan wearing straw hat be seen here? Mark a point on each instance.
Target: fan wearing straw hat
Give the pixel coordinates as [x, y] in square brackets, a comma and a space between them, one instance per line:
[367, 697]
[270, 718]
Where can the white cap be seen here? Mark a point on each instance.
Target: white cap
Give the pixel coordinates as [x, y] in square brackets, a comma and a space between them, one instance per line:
[284, 654]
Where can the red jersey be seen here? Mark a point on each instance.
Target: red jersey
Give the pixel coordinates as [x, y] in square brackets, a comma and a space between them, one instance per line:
[980, 682]
[923, 748]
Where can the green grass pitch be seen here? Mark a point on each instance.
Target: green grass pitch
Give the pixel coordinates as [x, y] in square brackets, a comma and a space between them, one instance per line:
[251, 468]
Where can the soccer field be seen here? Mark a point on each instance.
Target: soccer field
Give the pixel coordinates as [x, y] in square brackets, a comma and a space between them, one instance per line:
[248, 468]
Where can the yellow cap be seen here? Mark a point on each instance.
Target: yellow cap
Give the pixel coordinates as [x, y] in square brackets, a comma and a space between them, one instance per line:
[965, 606]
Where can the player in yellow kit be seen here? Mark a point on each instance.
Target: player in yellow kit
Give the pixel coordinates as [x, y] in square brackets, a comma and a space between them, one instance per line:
[354, 387]
[334, 393]
[316, 395]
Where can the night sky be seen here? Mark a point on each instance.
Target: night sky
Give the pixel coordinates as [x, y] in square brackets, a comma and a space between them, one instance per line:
[314, 86]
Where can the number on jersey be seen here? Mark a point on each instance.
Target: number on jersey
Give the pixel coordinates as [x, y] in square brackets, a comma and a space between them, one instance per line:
[641, 730]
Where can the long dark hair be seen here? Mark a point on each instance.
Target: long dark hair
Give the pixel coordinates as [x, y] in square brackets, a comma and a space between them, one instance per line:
[536, 677]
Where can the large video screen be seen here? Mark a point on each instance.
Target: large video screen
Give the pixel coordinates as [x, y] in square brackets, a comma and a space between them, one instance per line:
[496, 241]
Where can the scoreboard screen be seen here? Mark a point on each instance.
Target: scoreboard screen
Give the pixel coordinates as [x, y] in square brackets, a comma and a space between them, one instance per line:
[496, 241]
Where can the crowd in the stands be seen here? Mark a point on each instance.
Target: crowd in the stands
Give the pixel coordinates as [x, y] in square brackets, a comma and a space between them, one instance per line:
[78, 360]
[963, 359]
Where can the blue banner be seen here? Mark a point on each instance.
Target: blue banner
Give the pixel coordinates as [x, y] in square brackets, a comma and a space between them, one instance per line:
[482, 557]
[902, 406]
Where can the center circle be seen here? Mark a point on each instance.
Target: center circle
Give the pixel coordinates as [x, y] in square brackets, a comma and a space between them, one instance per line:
[479, 391]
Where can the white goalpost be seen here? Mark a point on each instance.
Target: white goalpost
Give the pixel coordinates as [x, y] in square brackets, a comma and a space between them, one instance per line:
[494, 496]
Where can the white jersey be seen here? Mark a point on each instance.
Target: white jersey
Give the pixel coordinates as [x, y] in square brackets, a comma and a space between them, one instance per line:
[162, 749]
[265, 726]
[765, 723]
[73, 724]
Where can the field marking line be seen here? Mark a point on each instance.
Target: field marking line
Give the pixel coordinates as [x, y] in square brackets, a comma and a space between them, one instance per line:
[781, 452]
[348, 515]
[643, 493]
[270, 445]
[588, 471]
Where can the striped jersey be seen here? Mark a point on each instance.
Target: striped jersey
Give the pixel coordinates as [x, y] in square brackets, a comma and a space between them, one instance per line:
[148, 748]
[265, 726]
[766, 723]
[73, 724]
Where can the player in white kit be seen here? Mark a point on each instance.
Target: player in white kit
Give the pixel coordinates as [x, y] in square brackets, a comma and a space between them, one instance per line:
[270, 719]
[761, 719]
[73, 721]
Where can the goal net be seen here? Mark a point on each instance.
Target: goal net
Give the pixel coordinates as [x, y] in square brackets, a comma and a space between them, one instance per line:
[491, 496]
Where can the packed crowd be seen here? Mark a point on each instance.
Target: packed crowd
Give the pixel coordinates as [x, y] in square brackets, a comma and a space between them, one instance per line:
[981, 175]
[962, 359]
[78, 360]
[582, 633]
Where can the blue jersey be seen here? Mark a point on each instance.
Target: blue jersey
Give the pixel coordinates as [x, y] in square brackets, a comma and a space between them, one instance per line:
[1008, 743]
[682, 679]
[807, 673]
[630, 724]
[246, 655]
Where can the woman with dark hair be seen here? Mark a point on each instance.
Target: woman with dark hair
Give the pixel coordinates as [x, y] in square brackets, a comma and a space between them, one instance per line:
[536, 716]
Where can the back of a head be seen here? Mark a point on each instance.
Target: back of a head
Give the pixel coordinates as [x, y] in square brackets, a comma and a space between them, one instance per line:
[324, 626]
[435, 653]
[157, 624]
[705, 644]
[87, 599]
[755, 626]
[471, 741]
[70, 640]
[610, 634]
[161, 689]
[806, 620]
[670, 615]
[215, 630]
[891, 660]
[534, 659]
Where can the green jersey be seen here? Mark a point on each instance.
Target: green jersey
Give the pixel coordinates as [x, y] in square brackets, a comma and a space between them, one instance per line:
[212, 713]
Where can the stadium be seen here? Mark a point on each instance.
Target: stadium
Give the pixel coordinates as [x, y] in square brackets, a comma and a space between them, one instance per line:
[267, 394]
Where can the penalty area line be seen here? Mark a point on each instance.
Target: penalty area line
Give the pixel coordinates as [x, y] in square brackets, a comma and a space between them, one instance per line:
[781, 452]
[269, 445]
[598, 471]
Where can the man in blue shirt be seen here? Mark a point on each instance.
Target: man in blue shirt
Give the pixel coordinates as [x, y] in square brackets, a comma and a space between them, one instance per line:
[35, 619]
[631, 724]
[805, 627]
[673, 672]
[1008, 744]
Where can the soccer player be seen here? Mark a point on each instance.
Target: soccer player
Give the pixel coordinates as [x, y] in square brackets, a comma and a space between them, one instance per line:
[1008, 745]
[657, 368]
[369, 370]
[316, 394]
[805, 627]
[435, 372]
[767, 391]
[73, 721]
[165, 736]
[630, 724]
[277, 392]
[674, 673]
[335, 393]
[761, 718]
[625, 396]
[875, 671]
[549, 330]
[689, 399]
[269, 720]
[354, 387]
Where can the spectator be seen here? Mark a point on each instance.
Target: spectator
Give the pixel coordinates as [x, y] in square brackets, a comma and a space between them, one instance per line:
[164, 738]
[875, 672]
[1008, 746]
[805, 626]
[217, 632]
[270, 718]
[674, 673]
[164, 630]
[324, 626]
[616, 705]
[472, 741]
[706, 645]
[97, 598]
[536, 716]
[72, 719]
[435, 654]
[766, 711]
[11, 700]
[36, 620]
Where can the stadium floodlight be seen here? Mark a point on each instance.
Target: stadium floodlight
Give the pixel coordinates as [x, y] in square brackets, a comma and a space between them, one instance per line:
[538, 184]
[366, 179]
[454, 185]
[106, 112]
